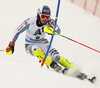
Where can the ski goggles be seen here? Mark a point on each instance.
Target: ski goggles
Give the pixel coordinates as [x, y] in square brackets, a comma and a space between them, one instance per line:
[43, 16]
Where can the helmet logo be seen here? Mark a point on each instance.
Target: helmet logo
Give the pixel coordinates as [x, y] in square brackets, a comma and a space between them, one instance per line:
[46, 11]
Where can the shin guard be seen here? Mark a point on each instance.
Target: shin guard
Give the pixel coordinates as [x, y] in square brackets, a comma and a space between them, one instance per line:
[39, 54]
[67, 63]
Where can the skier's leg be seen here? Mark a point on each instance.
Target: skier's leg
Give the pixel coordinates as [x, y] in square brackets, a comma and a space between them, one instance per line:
[34, 50]
[67, 63]
[75, 70]
[54, 54]
[52, 59]
[39, 54]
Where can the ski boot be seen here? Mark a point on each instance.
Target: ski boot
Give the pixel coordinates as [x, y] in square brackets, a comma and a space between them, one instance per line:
[81, 76]
[55, 66]
[64, 71]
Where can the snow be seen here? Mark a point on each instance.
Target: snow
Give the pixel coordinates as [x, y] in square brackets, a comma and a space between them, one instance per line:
[23, 71]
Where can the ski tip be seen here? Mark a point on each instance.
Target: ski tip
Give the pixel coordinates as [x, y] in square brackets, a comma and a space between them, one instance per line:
[93, 79]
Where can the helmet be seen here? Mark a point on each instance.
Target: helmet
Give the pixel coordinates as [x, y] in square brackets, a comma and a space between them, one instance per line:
[46, 10]
[45, 13]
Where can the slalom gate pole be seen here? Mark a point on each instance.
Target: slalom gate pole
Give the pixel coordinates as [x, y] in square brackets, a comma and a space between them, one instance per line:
[52, 34]
[79, 43]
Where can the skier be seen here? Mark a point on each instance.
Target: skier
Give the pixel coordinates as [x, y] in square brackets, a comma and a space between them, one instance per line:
[36, 44]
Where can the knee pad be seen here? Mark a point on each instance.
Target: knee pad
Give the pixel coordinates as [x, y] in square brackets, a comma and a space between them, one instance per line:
[34, 47]
[40, 54]
[54, 54]
[29, 48]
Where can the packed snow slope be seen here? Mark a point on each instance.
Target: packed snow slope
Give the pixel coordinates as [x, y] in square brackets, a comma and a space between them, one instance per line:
[23, 71]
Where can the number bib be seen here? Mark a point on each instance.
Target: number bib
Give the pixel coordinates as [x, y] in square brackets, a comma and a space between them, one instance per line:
[35, 33]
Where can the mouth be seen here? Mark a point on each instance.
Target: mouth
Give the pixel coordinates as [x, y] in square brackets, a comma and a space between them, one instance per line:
[43, 21]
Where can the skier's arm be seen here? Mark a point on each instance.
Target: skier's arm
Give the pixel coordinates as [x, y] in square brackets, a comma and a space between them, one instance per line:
[10, 49]
[25, 25]
[51, 26]
[49, 30]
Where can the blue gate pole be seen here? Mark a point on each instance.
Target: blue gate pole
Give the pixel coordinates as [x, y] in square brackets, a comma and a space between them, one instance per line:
[52, 34]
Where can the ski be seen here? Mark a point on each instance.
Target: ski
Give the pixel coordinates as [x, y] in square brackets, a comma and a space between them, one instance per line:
[93, 79]
[82, 76]
[77, 74]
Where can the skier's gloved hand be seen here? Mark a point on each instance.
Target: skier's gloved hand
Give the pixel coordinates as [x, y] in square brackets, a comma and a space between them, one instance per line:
[10, 49]
[49, 30]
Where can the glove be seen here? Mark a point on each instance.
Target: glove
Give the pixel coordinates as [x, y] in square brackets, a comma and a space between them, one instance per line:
[49, 30]
[10, 49]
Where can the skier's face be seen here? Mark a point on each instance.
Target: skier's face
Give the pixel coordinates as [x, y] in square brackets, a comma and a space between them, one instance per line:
[43, 21]
[44, 18]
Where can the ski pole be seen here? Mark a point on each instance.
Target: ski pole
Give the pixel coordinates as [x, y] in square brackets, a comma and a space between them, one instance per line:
[92, 80]
[2, 50]
[8, 53]
[78, 42]
[52, 34]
